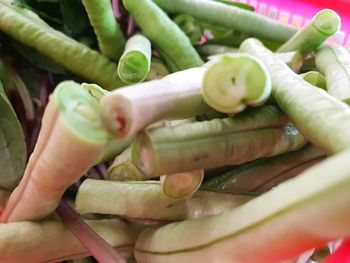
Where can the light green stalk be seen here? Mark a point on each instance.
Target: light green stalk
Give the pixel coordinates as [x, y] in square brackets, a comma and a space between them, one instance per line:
[231, 17]
[128, 110]
[334, 63]
[250, 177]
[305, 212]
[33, 241]
[64, 50]
[323, 25]
[234, 81]
[135, 62]
[144, 200]
[166, 36]
[110, 38]
[322, 119]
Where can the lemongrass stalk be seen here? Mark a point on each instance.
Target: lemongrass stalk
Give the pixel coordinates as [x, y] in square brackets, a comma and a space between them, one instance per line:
[315, 78]
[135, 62]
[144, 200]
[181, 185]
[279, 217]
[334, 63]
[234, 81]
[168, 150]
[323, 25]
[250, 176]
[321, 118]
[71, 140]
[33, 241]
[128, 110]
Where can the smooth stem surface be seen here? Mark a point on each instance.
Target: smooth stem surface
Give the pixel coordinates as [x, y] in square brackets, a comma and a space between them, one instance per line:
[144, 200]
[128, 110]
[158, 154]
[51, 241]
[324, 25]
[231, 17]
[254, 226]
[135, 62]
[64, 50]
[110, 38]
[251, 176]
[322, 119]
[164, 33]
[234, 81]
[334, 63]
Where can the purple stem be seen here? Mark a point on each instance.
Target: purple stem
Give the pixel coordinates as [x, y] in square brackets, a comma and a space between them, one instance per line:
[97, 246]
[117, 10]
[131, 27]
[102, 170]
[44, 93]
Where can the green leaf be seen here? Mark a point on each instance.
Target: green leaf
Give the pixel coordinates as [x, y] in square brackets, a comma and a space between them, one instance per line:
[13, 152]
[74, 15]
[38, 59]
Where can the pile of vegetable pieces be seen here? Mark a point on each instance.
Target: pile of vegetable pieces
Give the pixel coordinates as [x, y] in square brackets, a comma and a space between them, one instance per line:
[171, 131]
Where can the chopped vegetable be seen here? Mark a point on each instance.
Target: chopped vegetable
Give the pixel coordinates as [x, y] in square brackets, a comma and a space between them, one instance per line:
[251, 177]
[166, 36]
[181, 185]
[323, 25]
[64, 50]
[135, 62]
[234, 81]
[144, 200]
[322, 119]
[71, 140]
[166, 150]
[230, 17]
[51, 240]
[254, 226]
[177, 96]
[334, 63]
[110, 38]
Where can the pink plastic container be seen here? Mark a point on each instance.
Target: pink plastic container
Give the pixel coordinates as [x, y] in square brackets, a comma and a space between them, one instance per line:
[299, 12]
